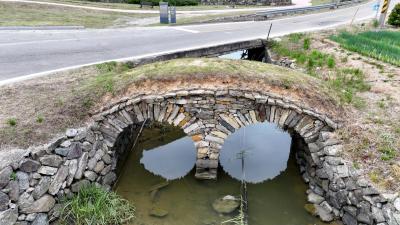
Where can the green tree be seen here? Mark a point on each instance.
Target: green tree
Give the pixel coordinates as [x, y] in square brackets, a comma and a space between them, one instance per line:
[394, 17]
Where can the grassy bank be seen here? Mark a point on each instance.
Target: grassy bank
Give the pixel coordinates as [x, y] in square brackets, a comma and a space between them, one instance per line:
[382, 45]
[320, 2]
[346, 81]
[24, 14]
[34, 110]
[369, 90]
[94, 205]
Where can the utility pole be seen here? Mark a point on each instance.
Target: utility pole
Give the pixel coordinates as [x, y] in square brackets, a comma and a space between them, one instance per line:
[376, 8]
[384, 10]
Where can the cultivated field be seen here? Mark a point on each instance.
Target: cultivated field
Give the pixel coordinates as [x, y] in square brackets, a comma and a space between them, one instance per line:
[382, 45]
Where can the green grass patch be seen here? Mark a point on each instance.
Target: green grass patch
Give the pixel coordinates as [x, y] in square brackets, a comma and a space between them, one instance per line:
[298, 47]
[12, 122]
[320, 2]
[387, 147]
[347, 82]
[306, 43]
[26, 14]
[331, 62]
[94, 205]
[13, 176]
[381, 45]
[374, 176]
[39, 119]
[296, 37]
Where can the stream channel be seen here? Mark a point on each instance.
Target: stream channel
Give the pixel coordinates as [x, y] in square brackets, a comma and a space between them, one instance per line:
[158, 178]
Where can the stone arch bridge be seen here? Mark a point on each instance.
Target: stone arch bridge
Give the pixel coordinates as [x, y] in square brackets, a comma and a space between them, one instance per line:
[209, 116]
[93, 154]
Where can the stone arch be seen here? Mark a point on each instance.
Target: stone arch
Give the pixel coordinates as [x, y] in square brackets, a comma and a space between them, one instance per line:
[91, 154]
[208, 116]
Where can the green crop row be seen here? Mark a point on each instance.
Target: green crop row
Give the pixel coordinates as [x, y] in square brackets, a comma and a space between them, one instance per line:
[382, 45]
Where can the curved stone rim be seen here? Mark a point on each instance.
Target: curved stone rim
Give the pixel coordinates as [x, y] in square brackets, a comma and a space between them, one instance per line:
[209, 131]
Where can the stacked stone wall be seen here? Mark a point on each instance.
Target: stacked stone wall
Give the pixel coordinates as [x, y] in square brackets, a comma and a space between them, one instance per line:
[32, 181]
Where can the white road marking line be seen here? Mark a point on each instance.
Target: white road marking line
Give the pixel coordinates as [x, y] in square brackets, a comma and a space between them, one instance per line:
[186, 30]
[39, 41]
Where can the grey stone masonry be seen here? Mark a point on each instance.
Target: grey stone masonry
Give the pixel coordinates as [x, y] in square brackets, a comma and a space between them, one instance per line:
[32, 181]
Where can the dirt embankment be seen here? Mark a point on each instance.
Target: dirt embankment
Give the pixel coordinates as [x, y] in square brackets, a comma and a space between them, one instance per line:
[34, 111]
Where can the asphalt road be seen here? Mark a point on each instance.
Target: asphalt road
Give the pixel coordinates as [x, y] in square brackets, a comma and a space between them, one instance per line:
[25, 54]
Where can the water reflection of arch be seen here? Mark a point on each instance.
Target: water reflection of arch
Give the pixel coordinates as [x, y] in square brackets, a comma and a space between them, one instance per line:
[209, 117]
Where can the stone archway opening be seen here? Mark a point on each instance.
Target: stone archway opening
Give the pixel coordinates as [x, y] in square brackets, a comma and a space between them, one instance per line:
[209, 116]
[136, 183]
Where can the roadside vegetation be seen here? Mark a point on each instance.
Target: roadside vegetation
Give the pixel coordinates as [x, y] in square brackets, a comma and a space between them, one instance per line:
[345, 81]
[320, 2]
[26, 14]
[94, 205]
[382, 45]
[394, 17]
[368, 84]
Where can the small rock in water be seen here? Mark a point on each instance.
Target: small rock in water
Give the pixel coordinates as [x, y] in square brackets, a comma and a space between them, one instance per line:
[323, 214]
[317, 210]
[310, 208]
[157, 212]
[314, 198]
[226, 204]
[229, 197]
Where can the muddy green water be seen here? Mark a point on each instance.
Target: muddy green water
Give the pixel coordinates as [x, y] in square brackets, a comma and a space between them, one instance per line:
[276, 195]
